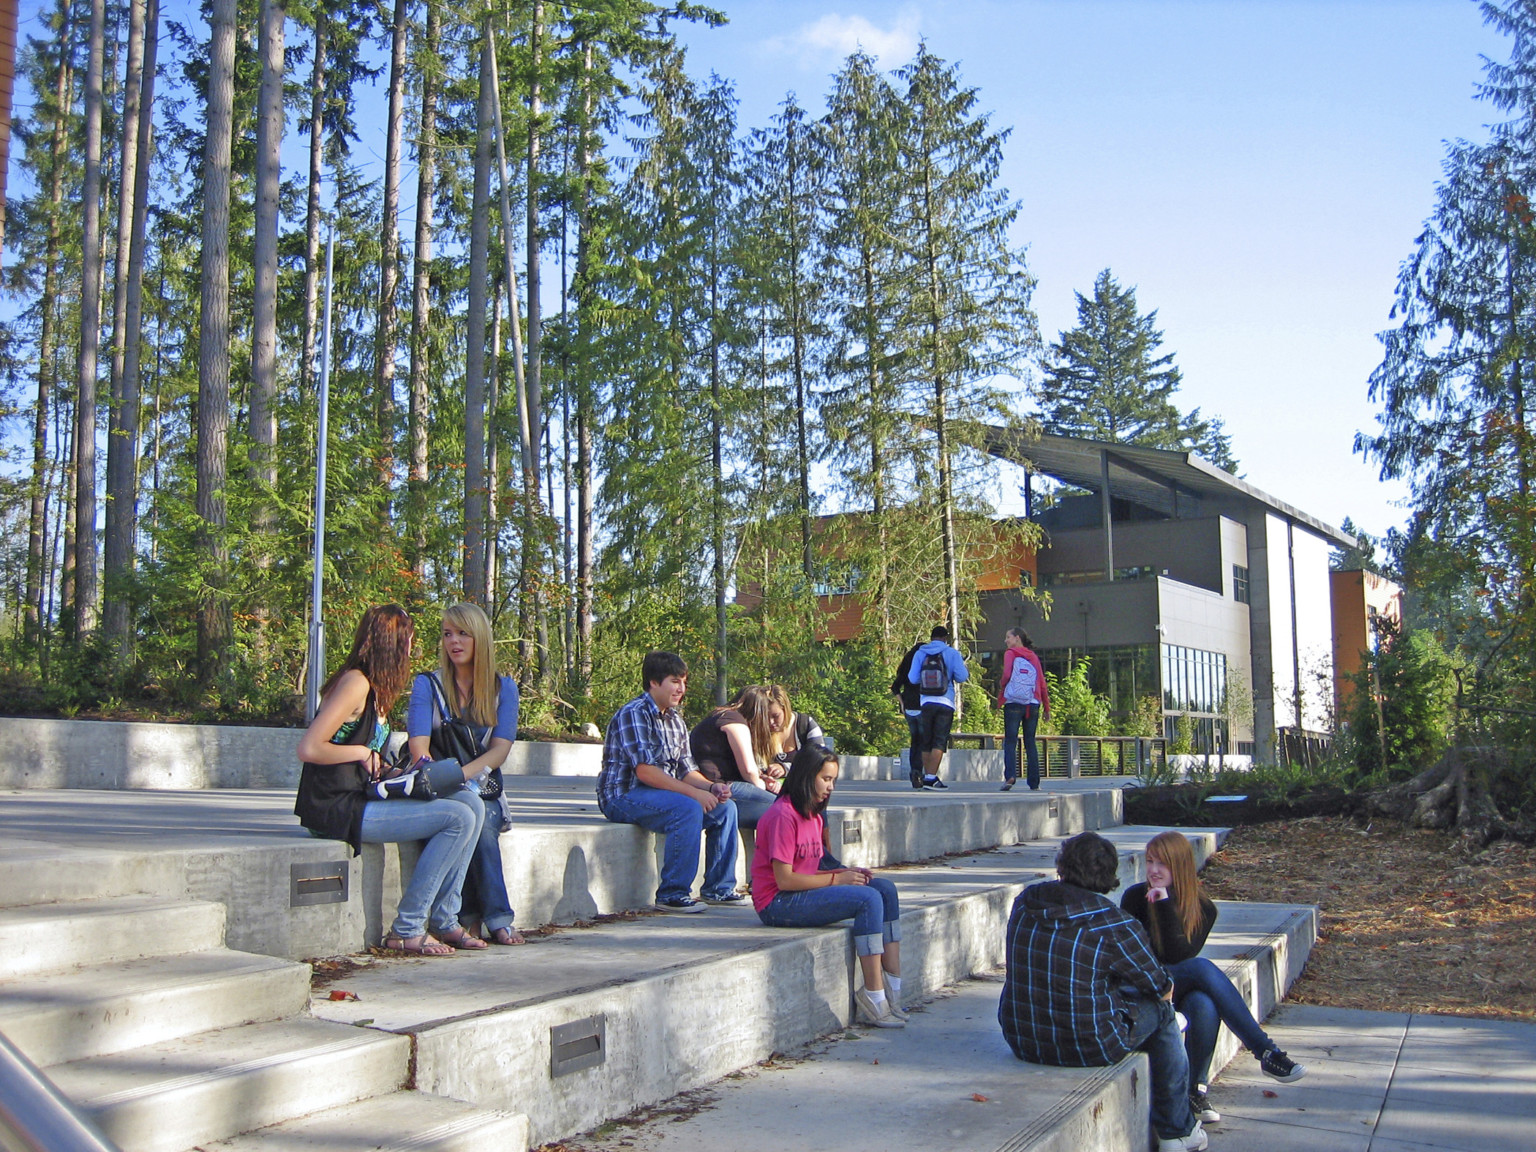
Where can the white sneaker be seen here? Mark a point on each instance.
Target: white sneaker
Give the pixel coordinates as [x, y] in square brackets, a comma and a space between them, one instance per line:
[895, 1008]
[878, 1015]
[1194, 1142]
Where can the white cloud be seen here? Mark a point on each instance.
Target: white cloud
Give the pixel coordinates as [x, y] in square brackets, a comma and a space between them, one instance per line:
[839, 36]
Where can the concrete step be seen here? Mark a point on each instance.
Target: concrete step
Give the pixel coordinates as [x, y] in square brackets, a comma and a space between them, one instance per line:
[179, 1093]
[676, 1002]
[400, 1122]
[46, 937]
[55, 1017]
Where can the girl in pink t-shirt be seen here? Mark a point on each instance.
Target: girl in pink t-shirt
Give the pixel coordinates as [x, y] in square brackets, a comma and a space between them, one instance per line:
[791, 890]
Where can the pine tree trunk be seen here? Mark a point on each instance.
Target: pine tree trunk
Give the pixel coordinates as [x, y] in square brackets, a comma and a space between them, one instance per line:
[492, 446]
[389, 253]
[117, 550]
[90, 335]
[474, 366]
[584, 383]
[310, 366]
[263, 407]
[37, 528]
[421, 287]
[214, 625]
[533, 549]
[123, 445]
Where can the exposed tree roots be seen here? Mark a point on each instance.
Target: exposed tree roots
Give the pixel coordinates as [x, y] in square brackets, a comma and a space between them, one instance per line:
[1451, 793]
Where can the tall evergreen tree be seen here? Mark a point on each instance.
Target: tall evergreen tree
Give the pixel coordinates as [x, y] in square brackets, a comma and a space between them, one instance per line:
[969, 318]
[1107, 379]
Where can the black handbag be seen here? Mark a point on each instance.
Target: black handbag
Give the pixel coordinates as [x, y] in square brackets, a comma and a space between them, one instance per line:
[455, 739]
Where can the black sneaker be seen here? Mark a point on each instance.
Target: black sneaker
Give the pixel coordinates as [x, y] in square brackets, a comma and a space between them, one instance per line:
[933, 782]
[916, 776]
[1008, 785]
[1202, 1109]
[1278, 1066]
[679, 904]
[730, 900]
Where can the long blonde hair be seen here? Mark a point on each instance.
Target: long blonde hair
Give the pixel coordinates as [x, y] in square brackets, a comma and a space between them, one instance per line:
[1172, 850]
[484, 687]
[756, 704]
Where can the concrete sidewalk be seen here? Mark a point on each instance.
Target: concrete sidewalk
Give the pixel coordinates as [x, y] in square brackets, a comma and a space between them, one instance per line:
[1384, 1082]
[1376, 1082]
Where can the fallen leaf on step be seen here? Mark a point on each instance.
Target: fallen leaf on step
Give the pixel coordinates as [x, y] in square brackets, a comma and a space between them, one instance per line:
[978, 1097]
[338, 994]
[874, 1061]
[1268, 1095]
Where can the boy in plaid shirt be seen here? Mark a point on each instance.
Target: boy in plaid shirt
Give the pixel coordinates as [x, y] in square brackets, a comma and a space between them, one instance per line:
[1083, 989]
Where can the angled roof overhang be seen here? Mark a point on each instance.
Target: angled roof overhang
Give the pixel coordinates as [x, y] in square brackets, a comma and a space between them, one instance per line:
[1156, 478]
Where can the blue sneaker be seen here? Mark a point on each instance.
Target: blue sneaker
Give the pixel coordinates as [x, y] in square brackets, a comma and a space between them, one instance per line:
[729, 900]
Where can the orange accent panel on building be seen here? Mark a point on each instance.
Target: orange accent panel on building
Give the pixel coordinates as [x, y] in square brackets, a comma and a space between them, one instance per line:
[1358, 597]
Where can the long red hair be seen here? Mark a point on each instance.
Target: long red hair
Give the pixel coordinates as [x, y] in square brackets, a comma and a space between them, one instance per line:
[1172, 851]
[381, 651]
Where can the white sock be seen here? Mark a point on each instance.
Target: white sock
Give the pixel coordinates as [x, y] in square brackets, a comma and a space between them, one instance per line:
[875, 998]
[893, 985]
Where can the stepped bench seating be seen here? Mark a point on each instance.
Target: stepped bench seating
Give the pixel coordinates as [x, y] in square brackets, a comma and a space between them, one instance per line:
[120, 975]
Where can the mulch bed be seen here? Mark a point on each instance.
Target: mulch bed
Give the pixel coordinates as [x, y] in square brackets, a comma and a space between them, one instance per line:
[1192, 806]
[1409, 921]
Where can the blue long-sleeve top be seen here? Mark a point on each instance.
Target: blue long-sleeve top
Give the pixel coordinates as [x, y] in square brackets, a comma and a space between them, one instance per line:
[422, 716]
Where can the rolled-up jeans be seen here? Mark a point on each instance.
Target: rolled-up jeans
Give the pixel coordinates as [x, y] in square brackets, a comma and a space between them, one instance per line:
[450, 825]
[1209, 999]
[1155, 1031]
[874, 907]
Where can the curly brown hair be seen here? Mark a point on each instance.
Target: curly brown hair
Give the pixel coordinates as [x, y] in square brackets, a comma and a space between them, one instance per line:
[381, 651]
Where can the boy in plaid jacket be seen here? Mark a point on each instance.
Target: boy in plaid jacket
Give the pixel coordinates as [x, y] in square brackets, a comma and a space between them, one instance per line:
[1083, 988]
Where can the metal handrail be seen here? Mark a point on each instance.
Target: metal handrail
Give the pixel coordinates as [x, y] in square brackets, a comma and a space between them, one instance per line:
[35, 1116]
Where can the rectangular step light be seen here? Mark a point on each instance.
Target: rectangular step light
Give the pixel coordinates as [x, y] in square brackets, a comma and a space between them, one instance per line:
[325, 883]
[577, 1045]
[852, 833]
[1053, 808]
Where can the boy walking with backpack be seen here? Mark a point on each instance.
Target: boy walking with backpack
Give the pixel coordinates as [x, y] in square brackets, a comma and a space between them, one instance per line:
[936, 669]
[1025, 698]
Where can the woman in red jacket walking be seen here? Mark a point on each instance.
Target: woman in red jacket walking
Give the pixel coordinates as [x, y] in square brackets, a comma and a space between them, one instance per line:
[1024, 698]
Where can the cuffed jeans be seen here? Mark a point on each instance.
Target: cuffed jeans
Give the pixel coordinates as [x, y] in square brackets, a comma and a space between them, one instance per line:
[680, 819]
[1156, 1032]
[874, 907]
[1208, 999]
[450, 826]
[751, 802]
[1015, 716]
[485, 886]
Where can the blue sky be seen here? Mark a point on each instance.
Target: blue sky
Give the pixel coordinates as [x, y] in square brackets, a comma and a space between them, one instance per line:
[1257, 169]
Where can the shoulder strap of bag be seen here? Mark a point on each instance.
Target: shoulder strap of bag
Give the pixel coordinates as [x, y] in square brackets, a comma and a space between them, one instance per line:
[442, 699]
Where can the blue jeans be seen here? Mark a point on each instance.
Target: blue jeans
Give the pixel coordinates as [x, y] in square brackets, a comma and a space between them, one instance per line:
[1156, 1032]
[1027, 715]
[914, 750]
[485, 887]
[680, 819]
[1208, 999]
[450, 826]
[874, 907]
[751, 802]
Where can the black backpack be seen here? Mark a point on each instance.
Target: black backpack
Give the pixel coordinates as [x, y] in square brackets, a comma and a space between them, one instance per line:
[933, 675]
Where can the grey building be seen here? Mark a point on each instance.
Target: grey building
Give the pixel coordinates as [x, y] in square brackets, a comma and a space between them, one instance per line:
[1180, 582]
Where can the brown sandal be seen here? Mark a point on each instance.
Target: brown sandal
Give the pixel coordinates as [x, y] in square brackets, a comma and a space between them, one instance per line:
[459, 938]
[508, 936]
[423, 945]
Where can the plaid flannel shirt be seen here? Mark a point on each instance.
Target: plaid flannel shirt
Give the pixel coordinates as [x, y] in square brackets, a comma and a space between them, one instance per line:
[640, 733]
[1076, 966]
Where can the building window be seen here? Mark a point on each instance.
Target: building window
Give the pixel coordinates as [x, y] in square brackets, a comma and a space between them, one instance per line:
[845, 583]
[1240, 584]
[1194, 681]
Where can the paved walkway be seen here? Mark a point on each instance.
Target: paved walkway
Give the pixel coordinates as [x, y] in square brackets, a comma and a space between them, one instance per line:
[1376, 1082]
[1384, 1082]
